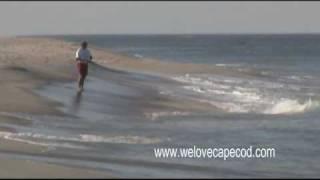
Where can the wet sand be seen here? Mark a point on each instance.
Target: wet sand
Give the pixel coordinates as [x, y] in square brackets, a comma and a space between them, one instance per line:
[28, 63]
[13, 168]
[25, 64]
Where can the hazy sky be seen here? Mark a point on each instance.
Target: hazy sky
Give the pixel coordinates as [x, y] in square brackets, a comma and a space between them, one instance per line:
[19, 18]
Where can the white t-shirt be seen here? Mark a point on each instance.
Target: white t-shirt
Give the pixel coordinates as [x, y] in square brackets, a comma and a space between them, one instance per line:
[83, 54]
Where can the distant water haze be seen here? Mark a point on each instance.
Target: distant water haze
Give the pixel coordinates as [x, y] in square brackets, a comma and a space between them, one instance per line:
[30, 18]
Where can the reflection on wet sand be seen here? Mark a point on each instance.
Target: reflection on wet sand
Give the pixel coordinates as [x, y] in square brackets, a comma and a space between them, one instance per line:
[76, 102]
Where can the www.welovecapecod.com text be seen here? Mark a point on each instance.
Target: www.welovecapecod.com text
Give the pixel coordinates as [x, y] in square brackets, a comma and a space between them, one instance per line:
[215, 153]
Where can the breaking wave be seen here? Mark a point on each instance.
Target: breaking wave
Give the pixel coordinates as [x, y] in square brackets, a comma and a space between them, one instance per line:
[286, 106]
[249, 94]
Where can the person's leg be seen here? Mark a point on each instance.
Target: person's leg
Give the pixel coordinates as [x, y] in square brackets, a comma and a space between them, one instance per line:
[84, 75]
[83, 70]
[79, 76]
[81, 82]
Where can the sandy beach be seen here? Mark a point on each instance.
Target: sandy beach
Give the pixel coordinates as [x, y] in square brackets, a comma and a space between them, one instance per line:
[27, 63]
[129, 106]
[12, 168]
[118, 90]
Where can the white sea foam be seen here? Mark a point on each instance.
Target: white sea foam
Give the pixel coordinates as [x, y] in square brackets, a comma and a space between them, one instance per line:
[155, 115]
[221, 65]
[66, 142]
[265, 73]
[119, 139]
[284, 106]
[289, 106]
[238, 95]
[19, 137]
[228, 65]
[195, 88]
[138, 56]
[227, 106]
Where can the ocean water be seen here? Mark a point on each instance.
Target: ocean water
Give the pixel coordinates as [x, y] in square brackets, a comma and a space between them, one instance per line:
[107, 127]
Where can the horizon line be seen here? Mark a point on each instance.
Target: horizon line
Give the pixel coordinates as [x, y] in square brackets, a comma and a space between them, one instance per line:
[155, 34]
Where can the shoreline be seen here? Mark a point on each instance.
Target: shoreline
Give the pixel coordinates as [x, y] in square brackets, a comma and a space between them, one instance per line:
[34, 71]
[24, 66]
[30, 63]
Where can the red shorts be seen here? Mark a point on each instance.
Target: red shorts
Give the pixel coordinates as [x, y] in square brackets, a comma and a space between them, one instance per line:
[82, 68]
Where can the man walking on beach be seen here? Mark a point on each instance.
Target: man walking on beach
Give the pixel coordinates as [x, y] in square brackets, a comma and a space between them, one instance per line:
[83, 58]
